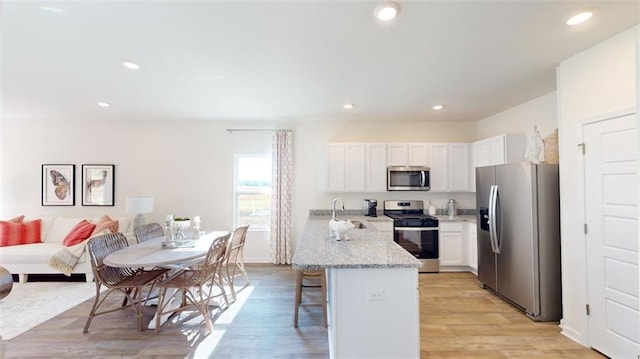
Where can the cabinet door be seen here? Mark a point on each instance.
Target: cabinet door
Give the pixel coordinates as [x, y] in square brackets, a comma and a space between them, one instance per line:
[397, 154]
[438, 153]
[458, 167]
[418, 154]
[472, 247]
[335, 181]
[481, 153]
[355, 167]
[496, 150]
[376, 167]
[452, 251]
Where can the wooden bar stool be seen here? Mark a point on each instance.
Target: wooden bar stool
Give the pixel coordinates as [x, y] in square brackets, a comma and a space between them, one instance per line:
[300, 279]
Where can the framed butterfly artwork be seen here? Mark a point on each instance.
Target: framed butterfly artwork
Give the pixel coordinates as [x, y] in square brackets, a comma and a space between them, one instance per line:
[98, 185]
[58, 185]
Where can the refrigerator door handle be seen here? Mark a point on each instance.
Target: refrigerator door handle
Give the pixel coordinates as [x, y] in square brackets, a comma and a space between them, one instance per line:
[496, 238]
[491, 219]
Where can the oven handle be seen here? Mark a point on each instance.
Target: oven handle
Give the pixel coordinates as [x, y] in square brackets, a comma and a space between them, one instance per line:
[417, 229]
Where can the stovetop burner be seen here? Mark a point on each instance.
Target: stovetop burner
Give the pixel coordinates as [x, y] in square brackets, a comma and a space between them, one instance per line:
[409, 216]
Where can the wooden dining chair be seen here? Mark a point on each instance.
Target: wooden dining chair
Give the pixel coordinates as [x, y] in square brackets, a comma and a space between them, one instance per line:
[148, 231]
[195, 284]
[234, 260]
[128, 281]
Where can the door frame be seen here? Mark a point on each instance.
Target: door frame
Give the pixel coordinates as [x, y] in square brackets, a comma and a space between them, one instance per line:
[580, 188]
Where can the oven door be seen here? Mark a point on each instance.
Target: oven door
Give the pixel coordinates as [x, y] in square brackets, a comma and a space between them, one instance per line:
[422, 242]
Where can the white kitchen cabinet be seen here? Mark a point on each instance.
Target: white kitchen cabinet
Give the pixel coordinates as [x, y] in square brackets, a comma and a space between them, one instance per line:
[356, 167]
[418, 154]
[453, 249]
[376, 167]
[408, 154]
[397, 154]
[497, 150]
[336, 160]
[458, 163]
[439, 173]
[472, 247]
[449, 164]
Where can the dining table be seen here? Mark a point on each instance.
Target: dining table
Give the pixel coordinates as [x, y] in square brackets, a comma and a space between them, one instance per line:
[158, 252]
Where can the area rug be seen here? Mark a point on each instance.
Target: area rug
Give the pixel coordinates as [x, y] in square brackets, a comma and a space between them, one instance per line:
[30, 304]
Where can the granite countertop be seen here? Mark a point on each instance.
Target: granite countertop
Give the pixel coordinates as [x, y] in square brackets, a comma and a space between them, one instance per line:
[365, 248]
[458, 218]
[466, 215]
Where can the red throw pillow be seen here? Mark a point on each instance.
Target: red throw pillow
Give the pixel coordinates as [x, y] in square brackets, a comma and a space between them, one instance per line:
[79, 233]
[12, 234]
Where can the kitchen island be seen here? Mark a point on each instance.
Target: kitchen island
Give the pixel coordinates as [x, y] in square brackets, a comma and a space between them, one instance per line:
[372, 283]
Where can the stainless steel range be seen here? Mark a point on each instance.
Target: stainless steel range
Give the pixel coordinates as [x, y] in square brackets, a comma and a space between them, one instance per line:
[415, 231]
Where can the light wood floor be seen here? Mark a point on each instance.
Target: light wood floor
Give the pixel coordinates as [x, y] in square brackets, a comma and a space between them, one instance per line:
[459, 320]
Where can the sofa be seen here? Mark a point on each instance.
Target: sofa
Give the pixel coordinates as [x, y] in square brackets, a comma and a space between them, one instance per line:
[34, 258]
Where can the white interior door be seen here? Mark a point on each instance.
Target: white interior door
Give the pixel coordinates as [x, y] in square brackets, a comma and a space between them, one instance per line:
[611, 209]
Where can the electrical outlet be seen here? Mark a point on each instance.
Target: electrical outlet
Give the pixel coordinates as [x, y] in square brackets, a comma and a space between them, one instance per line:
[376, 295]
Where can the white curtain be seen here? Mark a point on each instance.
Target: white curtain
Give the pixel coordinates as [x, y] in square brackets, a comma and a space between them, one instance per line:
[281, 193]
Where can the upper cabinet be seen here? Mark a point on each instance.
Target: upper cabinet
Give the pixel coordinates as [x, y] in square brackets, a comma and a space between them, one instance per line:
[497, 150]
[356, 167]
[376, 167]
[449, 164]
[407, 154]
[362, 167]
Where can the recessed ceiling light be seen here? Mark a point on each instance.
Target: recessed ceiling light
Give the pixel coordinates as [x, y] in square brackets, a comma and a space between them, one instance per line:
[103, 104]
[130, 64]
[438, 107]
[348, 106]
[387, 10]
[580, 18]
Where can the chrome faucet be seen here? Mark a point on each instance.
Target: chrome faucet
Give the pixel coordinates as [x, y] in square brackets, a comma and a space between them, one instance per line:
[336, 200]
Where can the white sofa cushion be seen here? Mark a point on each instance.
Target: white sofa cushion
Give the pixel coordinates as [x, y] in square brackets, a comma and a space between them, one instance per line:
[60, 228]
[36, 253]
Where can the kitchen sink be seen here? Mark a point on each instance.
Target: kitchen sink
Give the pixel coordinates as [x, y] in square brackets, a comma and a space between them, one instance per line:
[359, 225]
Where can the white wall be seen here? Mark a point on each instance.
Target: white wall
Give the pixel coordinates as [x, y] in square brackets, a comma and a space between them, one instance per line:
[187, 166]
[597, 81]
[541, 112]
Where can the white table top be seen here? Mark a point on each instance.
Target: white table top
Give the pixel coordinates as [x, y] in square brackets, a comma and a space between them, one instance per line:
[150, 253]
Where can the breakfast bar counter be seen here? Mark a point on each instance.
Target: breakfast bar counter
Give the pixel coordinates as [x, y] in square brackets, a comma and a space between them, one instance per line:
[372, 284]
[365, 247]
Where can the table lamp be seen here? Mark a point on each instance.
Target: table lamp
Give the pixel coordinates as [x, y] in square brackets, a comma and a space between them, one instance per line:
[139, 205]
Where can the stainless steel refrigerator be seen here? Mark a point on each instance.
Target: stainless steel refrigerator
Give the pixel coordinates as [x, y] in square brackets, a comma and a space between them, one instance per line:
[519, 236]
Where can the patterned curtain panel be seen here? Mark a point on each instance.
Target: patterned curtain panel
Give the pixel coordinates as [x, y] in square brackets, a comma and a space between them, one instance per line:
[281, 193]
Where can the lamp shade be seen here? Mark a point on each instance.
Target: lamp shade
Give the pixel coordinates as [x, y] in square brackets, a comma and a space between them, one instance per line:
[139, 204]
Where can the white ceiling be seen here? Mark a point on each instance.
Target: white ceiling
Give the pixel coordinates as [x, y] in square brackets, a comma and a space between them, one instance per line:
[288, 59]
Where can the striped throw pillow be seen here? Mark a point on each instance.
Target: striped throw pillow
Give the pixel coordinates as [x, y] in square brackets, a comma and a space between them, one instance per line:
[12, 234]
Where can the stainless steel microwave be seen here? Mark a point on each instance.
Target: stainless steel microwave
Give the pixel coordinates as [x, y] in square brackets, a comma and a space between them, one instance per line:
[408, 178]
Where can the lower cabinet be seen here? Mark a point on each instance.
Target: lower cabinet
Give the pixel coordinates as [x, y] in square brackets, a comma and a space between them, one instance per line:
[472, 247]
[458, 248]
[453, 251]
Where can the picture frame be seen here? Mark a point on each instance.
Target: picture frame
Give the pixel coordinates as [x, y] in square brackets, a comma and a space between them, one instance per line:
[58, 185]
[98, 185]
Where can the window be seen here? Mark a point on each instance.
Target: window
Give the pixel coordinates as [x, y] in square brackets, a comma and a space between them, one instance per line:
[253, 191]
